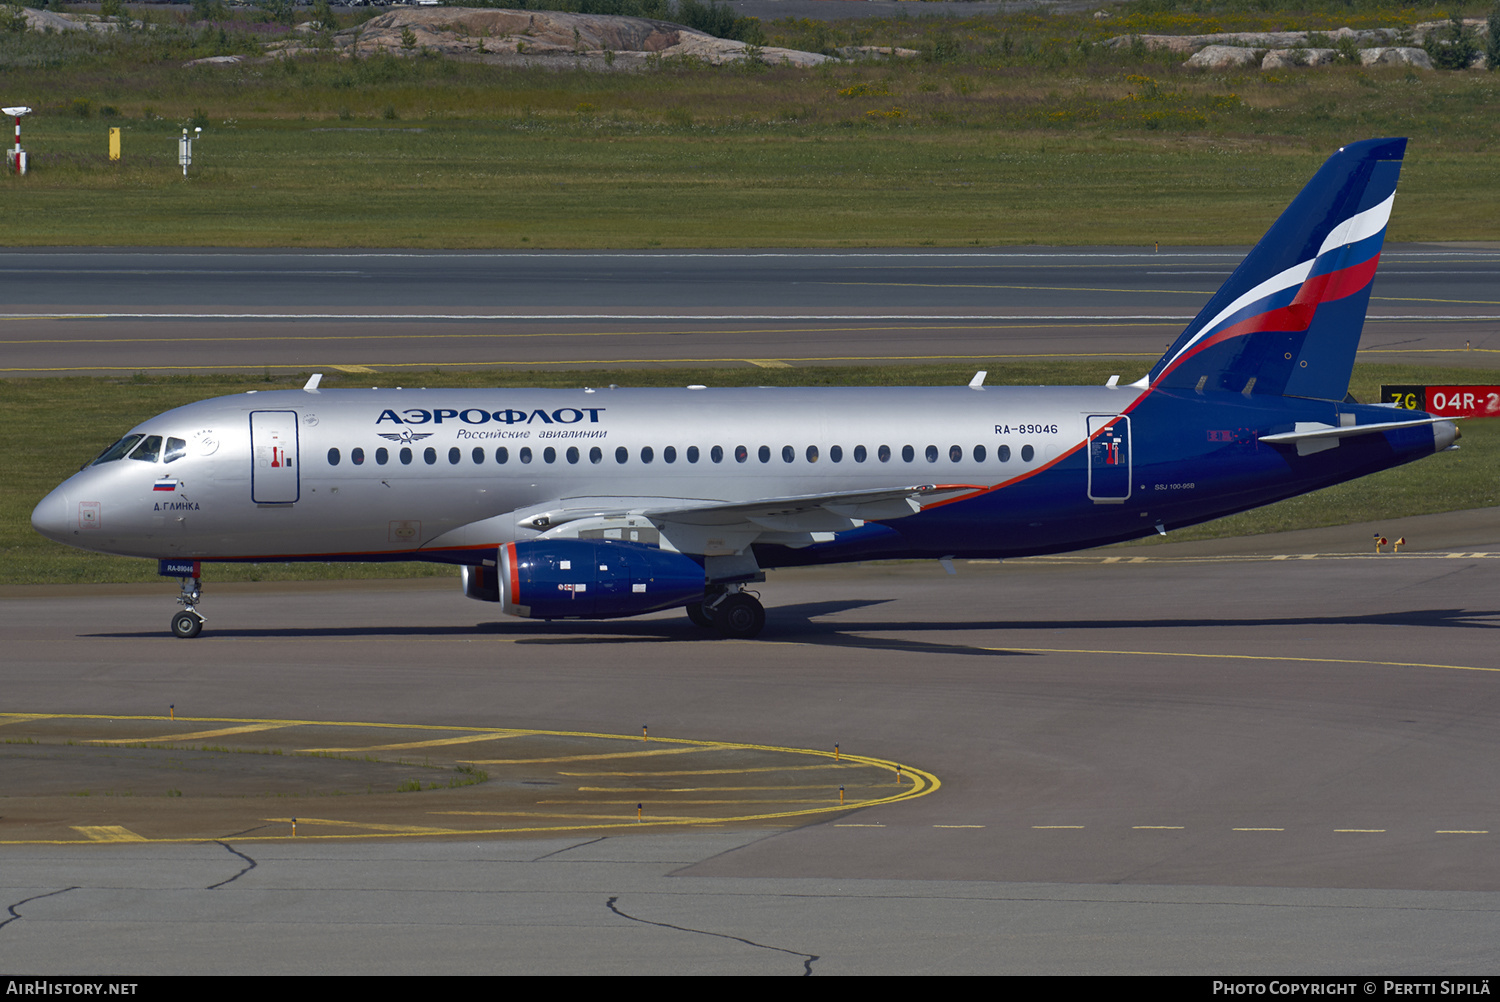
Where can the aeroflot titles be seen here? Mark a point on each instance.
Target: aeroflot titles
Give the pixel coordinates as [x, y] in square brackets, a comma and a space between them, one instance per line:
[478, 415]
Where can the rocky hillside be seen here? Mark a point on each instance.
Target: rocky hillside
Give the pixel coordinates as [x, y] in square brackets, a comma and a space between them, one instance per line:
[539, 37]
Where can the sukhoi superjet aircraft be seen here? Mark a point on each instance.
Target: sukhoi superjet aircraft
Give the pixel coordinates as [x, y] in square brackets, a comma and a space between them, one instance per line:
[598, 503]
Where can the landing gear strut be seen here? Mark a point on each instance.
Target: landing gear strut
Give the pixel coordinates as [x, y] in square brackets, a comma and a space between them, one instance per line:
[736, 614]
[187, 623]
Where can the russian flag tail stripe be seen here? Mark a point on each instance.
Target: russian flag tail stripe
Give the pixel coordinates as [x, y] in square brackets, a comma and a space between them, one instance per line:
[1305, 286]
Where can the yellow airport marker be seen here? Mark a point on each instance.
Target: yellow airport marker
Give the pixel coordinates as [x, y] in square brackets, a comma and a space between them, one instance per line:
[114, 144]
[108, 833]
[1396, 546]
[645, 735]
[172, 711]
[637, 813]
[841, 796]
[835, 751]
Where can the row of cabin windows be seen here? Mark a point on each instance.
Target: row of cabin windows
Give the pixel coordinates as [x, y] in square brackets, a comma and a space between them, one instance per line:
[669, 454]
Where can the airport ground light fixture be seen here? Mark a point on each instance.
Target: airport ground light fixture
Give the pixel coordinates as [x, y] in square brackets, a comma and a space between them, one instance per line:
[185, 148]
[17, 156]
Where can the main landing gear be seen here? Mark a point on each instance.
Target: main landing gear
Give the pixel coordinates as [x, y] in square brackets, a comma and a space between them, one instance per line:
[736, 614]
[187, 623]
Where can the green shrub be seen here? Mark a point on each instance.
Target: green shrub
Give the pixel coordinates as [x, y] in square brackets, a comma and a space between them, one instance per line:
[1492, 44]
[1455, 47]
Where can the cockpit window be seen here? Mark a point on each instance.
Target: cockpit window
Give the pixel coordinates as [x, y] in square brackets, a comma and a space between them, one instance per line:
[118, 450]
[176, 449]
[148, 450]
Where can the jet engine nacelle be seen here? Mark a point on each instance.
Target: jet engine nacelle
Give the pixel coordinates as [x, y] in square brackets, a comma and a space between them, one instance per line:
[481, 583]
[587, 579]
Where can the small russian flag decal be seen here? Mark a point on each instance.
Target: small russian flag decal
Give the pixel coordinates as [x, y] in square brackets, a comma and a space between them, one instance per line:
[165, 485]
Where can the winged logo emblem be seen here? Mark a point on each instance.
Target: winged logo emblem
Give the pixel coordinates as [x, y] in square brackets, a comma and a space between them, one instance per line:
[405, 435]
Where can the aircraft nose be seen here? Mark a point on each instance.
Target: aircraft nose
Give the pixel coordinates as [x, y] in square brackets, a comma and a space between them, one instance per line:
[51, 517]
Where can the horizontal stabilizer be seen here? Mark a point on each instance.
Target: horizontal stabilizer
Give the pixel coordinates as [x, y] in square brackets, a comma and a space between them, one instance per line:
[1315, 436]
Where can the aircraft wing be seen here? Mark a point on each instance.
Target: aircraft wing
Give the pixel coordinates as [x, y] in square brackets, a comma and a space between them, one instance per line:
[721, 527]
[787, 512]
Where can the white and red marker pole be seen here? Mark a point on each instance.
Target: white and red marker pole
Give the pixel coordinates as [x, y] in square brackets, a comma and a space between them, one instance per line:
[16, 153]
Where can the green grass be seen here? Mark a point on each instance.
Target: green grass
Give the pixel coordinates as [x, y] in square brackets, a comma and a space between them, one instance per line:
[1008, 130]
[461, 185]
[69, 421]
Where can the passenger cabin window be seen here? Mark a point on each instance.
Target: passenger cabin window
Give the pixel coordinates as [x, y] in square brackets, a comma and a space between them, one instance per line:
[859, 454]
[692, 454]
[525, 454]
[405, 457]
[572, 454]
[908, 453]
[669, 454]
[176, 449]
[357, 456]
[1003, 454]
[835, 453]
[884, 453]
[502, 455]
[333, 457]
[1026, 453]
[478, 456]
[382, 457]
[646, 454]
[454, 455]
[596, 455]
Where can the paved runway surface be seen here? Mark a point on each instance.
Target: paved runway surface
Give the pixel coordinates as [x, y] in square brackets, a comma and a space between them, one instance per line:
[101, 312]
[1165, 758]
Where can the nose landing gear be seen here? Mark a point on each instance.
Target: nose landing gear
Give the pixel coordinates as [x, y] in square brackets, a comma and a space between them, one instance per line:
[187, 623]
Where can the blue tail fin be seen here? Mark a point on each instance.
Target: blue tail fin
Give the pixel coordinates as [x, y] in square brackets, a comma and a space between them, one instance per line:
[1288, 320]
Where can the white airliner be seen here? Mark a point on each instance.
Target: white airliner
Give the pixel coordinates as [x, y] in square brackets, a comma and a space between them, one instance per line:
[597, 503]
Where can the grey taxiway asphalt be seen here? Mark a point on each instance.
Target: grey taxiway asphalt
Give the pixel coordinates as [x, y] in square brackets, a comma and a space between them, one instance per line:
[1269, 756]
[101, 312]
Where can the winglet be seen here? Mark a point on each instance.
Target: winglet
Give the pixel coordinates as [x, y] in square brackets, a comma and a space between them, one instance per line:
[312, 382]
[977, 383]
